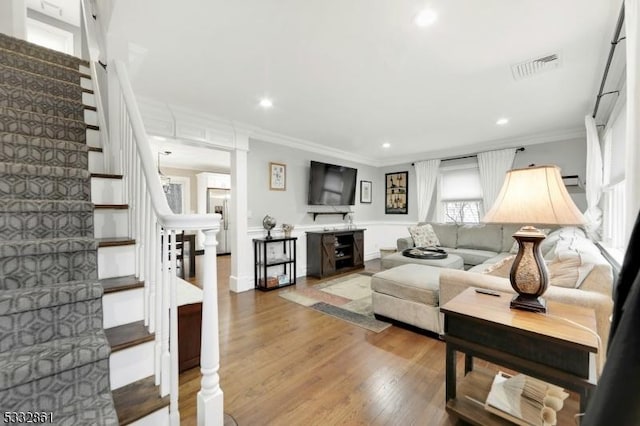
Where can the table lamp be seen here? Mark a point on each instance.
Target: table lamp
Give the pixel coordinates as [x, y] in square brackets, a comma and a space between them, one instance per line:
[533, 196]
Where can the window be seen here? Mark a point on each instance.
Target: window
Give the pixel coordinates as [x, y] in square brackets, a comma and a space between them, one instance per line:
[460, 195]
[613, 203]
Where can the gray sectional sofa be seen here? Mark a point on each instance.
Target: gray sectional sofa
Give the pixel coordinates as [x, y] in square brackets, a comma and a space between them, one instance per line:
[411, 293]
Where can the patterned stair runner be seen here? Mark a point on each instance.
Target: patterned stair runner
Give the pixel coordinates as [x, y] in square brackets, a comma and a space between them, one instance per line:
[54, 356]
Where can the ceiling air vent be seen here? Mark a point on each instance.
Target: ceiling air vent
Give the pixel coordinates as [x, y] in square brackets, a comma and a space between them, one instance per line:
[535, 66]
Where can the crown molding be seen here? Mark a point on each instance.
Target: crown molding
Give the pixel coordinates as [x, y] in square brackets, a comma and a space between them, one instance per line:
[469, 149]
[259, 134]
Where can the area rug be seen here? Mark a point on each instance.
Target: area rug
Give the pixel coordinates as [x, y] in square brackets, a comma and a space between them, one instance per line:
[347, 298]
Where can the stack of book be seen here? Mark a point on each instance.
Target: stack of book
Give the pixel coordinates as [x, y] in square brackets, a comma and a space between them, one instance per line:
[524, 400]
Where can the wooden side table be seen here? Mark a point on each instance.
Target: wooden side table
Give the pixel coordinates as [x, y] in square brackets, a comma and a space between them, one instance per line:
[537, 344]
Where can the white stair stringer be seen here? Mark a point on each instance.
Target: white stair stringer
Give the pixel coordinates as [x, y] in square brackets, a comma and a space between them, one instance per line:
[123, 307]
[131, 364]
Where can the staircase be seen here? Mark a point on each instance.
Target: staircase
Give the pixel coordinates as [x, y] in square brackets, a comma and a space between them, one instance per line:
[54, 354]
[66, 266]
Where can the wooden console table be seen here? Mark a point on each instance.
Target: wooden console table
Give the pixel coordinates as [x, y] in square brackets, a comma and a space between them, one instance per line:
[334, 251]
[540, 345]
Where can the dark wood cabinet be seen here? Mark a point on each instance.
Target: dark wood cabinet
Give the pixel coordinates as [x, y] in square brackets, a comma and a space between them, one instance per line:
[331, 252]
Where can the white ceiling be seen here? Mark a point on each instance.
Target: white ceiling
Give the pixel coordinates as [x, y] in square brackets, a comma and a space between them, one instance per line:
[351, 75]
[186, 155]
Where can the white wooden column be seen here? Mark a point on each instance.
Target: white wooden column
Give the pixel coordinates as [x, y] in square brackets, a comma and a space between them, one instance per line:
[241, 251]
[210, 403]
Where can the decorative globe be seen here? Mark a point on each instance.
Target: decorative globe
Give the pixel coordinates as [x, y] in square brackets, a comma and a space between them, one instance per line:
[268, 223]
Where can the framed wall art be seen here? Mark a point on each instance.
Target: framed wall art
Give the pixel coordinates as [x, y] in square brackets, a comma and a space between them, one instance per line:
[277, 176]
[365, 192]
[396, 193]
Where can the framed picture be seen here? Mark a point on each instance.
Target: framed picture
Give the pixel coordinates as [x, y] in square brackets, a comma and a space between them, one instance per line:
[277, 177]
[365, 192]
[396, 193]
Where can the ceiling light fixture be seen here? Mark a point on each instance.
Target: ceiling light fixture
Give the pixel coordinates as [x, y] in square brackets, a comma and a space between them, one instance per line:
[386, 145]
[266, 103]
[425, 18]
[502, 121]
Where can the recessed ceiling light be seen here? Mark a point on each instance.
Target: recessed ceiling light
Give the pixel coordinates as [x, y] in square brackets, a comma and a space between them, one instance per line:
[386, 145]
[425, 18]
[502, 121]
[266, 103]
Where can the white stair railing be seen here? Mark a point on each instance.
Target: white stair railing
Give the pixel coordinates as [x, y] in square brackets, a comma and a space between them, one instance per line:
[154, 227]
[151, 222]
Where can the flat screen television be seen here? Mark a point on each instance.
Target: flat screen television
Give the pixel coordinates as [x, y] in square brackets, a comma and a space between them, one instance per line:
[332, 185]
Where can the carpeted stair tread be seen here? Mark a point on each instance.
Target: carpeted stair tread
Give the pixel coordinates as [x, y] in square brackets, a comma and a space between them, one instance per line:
[39, 66]
[41, 103]
[46, 246]
[39, 52]
[34, 124]
[31, 363]
[9, 205]
[22, 169]
[17, 148]
[45, 219]
[39, 83]
[29, 299]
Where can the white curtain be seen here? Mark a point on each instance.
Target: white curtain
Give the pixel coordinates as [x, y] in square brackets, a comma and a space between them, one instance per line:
[632, 153]
[593, 214]
[426, 176]
[493, 166]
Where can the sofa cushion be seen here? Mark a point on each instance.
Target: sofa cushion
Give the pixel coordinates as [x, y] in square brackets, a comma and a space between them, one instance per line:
[413, 282]
[423, 235]
[481, 237]
[501, 268]
[473, 257]
[447, 233]
[508, 229]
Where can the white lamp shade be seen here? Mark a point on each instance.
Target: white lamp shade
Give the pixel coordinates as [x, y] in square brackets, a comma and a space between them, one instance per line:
[534, 196]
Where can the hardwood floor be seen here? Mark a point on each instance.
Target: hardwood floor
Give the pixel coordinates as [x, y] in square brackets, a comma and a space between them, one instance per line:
[283, 364]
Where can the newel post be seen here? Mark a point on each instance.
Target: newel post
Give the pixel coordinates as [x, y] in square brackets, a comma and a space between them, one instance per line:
[210, 398]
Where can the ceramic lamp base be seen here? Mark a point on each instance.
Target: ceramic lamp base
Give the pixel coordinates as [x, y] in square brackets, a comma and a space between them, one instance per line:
[529, 276]
[537, 304]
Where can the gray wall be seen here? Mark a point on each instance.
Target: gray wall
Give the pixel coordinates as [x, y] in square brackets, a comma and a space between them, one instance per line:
[290, 206]
[569, 155]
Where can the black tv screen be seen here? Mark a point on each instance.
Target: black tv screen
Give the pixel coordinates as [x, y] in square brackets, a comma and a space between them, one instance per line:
[332, 185]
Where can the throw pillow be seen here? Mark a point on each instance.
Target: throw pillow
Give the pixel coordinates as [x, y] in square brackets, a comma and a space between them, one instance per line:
[423, 236]
[501, 268]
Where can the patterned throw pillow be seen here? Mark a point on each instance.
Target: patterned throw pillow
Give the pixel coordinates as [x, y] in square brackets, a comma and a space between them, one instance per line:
[424, 236]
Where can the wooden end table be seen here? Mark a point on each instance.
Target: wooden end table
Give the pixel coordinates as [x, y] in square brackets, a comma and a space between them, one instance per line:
[537, 344]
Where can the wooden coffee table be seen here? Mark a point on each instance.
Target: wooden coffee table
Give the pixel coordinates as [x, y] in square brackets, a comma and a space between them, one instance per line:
[537, 344]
